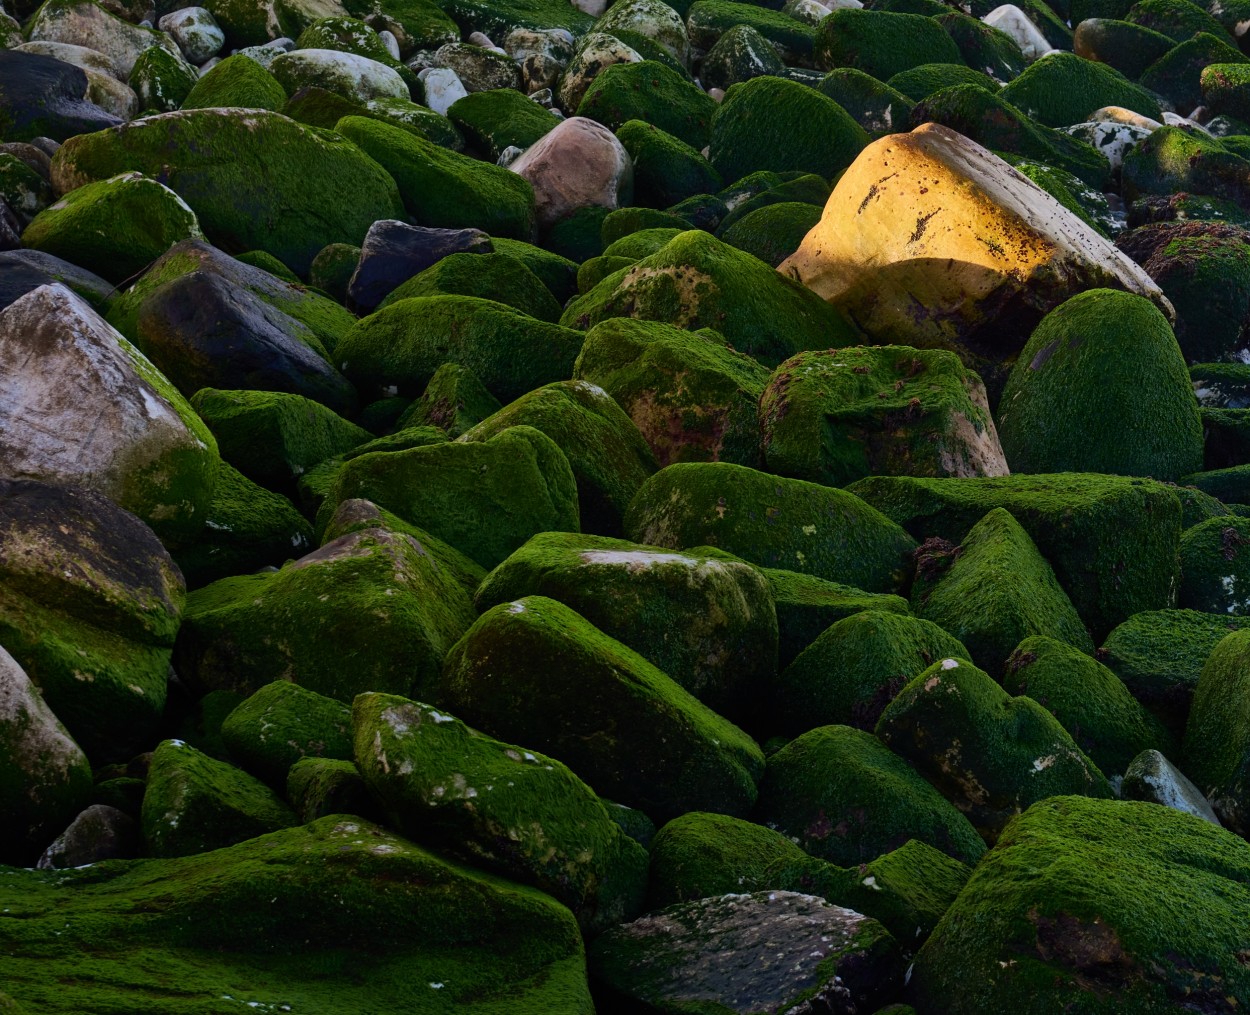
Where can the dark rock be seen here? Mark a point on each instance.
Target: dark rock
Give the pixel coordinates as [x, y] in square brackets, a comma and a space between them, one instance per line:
[41, 97]
[98, 833]
[394, 252]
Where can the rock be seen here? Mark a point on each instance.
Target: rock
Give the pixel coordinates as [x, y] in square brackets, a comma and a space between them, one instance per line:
[990, 754]
[846, 798]
[47, 778]
[454, 400]
[708, 20]
[1011, 20]
[881, 43]
[443, 88]
[23, 271]
[650, 91]
[651, 20]
[541, 54]
[106, 86]
[1065, 926]
[494, 276]
[899, 290]
[1113, 140]
[40, 96]
[1173, 20]
[1152, 778]
[155, 458]
[595, 52]
[1176, 76]
[875, 106]
[708, 624]
[1064, 89]
[196, 31]
[1172, 160]
[282, 723]
[416, 605]
[1214, 578]
[984, 46]
[356, 78]
[578, 164]
[741, 54]
[666, 169]
[393, 252]
[451, 925]
[744, 953]
[161, 81]
[444, 188]
[493, 122]
[536, 667]
[834, 416]
[851, 670]
[479, 69]
[515, 812]
[920, 82]
[317, 787]
[236, 81]
[691, 397]
[1225, 89]
[87, 24]
[99, 833]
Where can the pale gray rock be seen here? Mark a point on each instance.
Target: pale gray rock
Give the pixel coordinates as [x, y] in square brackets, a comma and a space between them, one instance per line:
[1151, 777]
[579, 164]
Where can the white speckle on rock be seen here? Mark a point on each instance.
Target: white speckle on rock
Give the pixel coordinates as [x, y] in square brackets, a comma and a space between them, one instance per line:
[950, 664]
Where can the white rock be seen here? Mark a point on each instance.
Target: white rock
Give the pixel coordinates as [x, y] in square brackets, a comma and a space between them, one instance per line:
[350, 75]
[1012, 20]
[84, 23]
[1114, 140]
[579, 164]
[1151, 777]
[196, 31]
[442, 88]
[596, 52]
[390, 42]
[651, 19]
[1184, 123]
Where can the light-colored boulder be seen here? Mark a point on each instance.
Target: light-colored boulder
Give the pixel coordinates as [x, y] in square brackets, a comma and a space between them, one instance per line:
[83, 23]
[443, 88]
[196, 31]
[1118, 114]
[651, 19]
[580, 164]
[354, 77]
[1112, 138]
[1011, 19]
[596, 52]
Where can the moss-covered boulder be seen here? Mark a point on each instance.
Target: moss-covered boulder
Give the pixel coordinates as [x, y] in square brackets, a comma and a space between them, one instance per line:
[990, 754]
[1172, 160]
[855, 667]
[875, 106]
[401, 346]
[454, 400]
[1179, 20]
[773, 522]
[654, 93]
[993, 591]
[500, 118]
[740, 54]
[709, 624]
[984, 46]
[444, 188]
[769, 123]
[237, 81]
[492, 276]
[846, 798]
[1214, 574]
[303, 623]
[882, 43]
[919, 83]
[170, 937]
[835, 416]
[666, 169]
[1217, 734]
[534, 670]
[774, 232]
[1225, 89]
[696, 281]
[1112, 541]
[161, 80]
[710, 20]
[1096, 905]
[249, 198]
[1127, 47]
[1064, 89]
[1176, 76]
[194, 803]
[498, 806]
[691, 397]
[1145, 422]
[317, 787]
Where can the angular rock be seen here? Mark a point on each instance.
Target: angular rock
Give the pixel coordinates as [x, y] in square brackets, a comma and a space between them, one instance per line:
[282, 723]
[393, 252]
[1152, 778]
[99, 833]
[43, 97]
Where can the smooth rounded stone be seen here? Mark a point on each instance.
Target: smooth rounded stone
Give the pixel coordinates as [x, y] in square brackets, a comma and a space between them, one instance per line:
[596, 52]
[391, 43]
[393, 252]
[443, 88]
[92, 61]
[356, 78]
[541, 55]
[254, 199]
[516, 812]
[834, 416]
[491, 943]
[536, 668]
[479, 69]
[691, 396]
[99, 833]
[708, 624]
[83, 23]
[881, 43]
[739, 55]
[578, 164]
[990, 754]
[650, 19]
[846, 798]
[46, 777]
[1014, 22]
[766, 951]
[812, 12]
[1114, 140]
[41, 96]
[115, 228]
[852, 669]
[282, 723]
[162, 81]
[1127, 47]
[1152, 778]
[1214, 575]
[235, 81]
[154, 457]
[1119, 114]
[1063, 89]
[1049, 918]
[417, 611]
[1146, 422]
[979, 299]
[264, 55]
[196, 31]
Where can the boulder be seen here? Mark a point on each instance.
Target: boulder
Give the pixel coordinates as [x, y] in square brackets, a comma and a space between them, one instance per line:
[356, 78]
[236, 81]
[708, 21]
[43, 97]
[577, 164]
[493, 276]
[881, 42]
[647, 90]
[88, 24]
[1154, 779]
[1064, 89]
[1217, 735]
[196, 31]
[454, 400]
[1215, 569]
[393, 252]
[99, 833]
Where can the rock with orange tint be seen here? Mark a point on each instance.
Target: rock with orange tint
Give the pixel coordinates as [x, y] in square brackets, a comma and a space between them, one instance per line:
[929, 240]
[579, 164]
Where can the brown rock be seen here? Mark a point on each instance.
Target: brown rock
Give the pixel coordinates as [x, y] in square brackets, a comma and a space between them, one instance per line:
[580, 164]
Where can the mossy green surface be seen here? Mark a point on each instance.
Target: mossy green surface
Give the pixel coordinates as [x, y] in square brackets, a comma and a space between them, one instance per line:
[738, 55]
[442, 187]
[793, 185]
[1172, 160]
[24, 190]
[500, 118]
[595, 270]
[1096, 906]
[485, 499]
[691, 397]
[708, 624]
[495, 18]
[401, 346]
[194, 803]
[855, 667]
[267, 262]
[317, 482]
[1092, 703]
[697, 281]
[1215, 567]
[454, 401]
[609, 457]
[653, 93]
[245, 175]
[847, 798]
[1217, 734]
[1225, 89]
[1177, 75]
[1226, 434]
[919, 83]
[161, 80]
[1179, 20]
[710, 20]
[994, 591]
[332, 269]
[498, 806]
[990, 754]
[622, 223]
[774, 232]
[558, 274]
[171, 937]
[881, 43]
[1127, 47]
[536, 671]
[984, 46]
[1232, 486]
[416, 24]
[641, 243]
[282, 723]
[499, 277]
[303, 623]
[1064, 89]
[773, 124]
[317, 787]
[577, 237]
[875, 106]
[771, 521]
[1145, 418]
[833, 416]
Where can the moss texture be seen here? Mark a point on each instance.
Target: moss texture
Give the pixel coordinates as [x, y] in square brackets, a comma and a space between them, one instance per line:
[711, 20]
[875, 106]
[1217, 735]
[500, 118]
[1214, 576]
[881, 43]
[653, 93]
[1064, 89]
[499, 277]
[774, 232]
